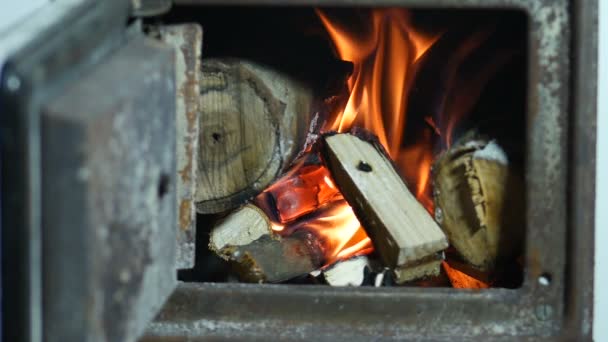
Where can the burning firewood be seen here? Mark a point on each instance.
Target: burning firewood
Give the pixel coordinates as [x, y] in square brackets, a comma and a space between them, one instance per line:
[246, 239]
[402, 231]
[463, 276]
[242, 227]
[254, 121]
[479, 202]
[302, 191]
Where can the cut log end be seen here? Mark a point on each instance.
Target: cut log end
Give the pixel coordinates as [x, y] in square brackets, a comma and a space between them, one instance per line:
[253, 123]
[242, 227]
[479, 202]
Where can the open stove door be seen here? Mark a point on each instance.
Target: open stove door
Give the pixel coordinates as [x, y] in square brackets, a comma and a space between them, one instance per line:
[87, 169]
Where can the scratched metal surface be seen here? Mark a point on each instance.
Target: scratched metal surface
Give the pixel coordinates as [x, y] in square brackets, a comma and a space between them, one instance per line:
[187, 41]
[108, 197]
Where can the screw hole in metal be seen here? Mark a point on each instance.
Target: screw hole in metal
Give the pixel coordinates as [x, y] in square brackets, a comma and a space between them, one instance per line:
[544, 279]
[163, 185]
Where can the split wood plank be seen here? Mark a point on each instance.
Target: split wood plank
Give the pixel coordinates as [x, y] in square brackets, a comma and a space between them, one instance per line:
[401, 230]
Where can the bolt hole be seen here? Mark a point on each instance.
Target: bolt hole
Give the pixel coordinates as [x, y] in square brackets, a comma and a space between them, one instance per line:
[163, 185]
[216, 137]
[363, 166]
[544, 279]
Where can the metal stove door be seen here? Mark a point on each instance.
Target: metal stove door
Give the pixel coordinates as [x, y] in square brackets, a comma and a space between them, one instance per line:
[88, 176]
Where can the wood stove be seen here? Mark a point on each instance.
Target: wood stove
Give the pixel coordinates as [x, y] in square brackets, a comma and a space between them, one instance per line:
[536, 309]
[122, 163]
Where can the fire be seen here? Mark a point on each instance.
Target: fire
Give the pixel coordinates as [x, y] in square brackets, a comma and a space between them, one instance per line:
[384, 60]
[385, 56]
[384, 64]
[461, 280]
[307, 199]
[302, 192]
[338, 230]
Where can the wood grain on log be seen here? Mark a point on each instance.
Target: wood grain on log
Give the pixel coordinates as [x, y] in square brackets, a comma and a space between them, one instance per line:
[401, 230]
[426, 267]
[479, 202]
[245, 238]
[253, 123]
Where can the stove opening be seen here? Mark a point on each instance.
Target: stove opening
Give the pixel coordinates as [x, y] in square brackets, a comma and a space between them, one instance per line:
[361, 146]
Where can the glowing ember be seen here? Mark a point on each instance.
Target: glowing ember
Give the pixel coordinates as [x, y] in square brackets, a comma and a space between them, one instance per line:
[339, 231]
[307, 199]
[304, 191]
[461, 280]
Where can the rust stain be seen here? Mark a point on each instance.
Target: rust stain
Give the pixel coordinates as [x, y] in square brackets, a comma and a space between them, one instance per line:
[534, 262]
[185, 173]
[190, 92]
[191, 84]
[184, 215]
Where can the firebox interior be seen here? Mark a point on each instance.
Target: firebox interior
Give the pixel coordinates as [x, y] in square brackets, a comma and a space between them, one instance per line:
[472, 78]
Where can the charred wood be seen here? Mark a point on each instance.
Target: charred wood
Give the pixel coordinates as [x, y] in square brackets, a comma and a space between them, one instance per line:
[245, 238]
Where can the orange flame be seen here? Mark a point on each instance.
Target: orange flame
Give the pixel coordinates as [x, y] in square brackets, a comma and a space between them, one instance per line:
[338, 230]
[461, 280]
[307, 198]
[302, 191]
[384, 62]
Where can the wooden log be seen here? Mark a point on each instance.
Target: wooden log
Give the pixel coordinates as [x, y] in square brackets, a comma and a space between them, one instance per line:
[254, 121]
[401, 230]
[429, 266]
[242, 227]
[479, 202]
[245, 238]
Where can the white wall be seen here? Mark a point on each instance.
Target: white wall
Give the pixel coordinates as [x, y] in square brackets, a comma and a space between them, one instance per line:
[13, 11]
[600, 323]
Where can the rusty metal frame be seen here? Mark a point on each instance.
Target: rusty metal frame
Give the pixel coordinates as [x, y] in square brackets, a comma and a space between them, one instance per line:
[560, 233]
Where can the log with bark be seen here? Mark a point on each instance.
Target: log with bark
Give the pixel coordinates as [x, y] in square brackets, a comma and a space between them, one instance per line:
[402, 231]
[254, 121]
[479, 202]
[246, 239]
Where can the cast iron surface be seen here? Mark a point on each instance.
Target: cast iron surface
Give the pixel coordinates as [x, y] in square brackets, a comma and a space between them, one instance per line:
[43, 54]
[108, 153]
[560, 168]
[186, 40]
